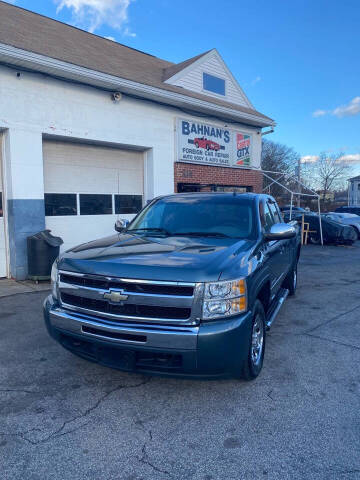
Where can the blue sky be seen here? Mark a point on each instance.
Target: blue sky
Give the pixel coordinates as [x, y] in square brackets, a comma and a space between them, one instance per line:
[298, 61]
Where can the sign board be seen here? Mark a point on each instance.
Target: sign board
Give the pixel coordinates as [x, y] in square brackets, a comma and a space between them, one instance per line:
[243, 148]
[212, 145]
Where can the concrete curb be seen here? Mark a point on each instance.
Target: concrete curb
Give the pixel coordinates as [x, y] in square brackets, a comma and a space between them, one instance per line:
[9, 287]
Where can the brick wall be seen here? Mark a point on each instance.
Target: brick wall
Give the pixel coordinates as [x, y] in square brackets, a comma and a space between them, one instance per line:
[207, 174]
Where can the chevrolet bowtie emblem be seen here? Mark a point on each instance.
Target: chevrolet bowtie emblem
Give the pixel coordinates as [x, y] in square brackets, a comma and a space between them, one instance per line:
[115, 296]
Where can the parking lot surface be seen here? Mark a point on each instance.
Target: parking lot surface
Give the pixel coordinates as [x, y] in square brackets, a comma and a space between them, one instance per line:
[64, 418]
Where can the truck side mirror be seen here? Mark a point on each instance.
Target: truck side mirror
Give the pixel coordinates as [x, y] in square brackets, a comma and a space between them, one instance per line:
[280, 231]
[121, 224]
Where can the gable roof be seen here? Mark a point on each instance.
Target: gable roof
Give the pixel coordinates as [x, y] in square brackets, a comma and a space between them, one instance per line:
[197, 63]
[177, 67]
[50, 38]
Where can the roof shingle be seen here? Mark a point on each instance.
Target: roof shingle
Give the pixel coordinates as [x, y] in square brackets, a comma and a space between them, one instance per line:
[32, 32]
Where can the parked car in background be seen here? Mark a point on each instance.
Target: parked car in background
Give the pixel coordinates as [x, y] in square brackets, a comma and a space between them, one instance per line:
[294, 209]
[334, 232]
[295, 215]
[346, 218]
[346, 209]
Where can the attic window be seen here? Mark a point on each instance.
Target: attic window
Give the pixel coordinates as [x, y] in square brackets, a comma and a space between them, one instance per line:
[213, 84]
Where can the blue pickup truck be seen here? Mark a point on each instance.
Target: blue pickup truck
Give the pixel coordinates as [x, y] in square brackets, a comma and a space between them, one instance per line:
[188, 288]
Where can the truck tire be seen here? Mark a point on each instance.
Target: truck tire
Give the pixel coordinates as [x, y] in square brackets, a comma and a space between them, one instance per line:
[255, 358]
[290, 281]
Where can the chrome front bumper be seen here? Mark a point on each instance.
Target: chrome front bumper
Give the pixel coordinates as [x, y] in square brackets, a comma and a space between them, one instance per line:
[154, 336]
[211, 349]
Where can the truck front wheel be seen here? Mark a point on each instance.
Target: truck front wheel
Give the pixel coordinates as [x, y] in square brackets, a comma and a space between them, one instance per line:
[255, 358]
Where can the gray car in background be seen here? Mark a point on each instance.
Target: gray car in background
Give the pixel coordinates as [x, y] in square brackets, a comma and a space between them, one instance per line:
[350, 219]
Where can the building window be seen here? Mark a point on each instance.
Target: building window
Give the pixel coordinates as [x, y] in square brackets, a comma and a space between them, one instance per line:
[213, 84]
[95, 204]
[60, 204]
[128, 203]
[231, 188]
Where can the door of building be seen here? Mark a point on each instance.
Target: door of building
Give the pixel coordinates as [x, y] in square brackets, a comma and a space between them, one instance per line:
[2, 227]
[87, 187]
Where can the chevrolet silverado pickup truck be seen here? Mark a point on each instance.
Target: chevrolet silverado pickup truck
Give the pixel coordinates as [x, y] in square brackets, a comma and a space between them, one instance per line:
[188, 288]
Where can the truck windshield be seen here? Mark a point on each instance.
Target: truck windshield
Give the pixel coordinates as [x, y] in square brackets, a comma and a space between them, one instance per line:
[208, 215]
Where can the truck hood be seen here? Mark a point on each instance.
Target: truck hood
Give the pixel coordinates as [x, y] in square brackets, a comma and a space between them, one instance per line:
[185, 259]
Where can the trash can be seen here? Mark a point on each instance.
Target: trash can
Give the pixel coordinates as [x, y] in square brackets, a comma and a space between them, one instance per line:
[42, 250]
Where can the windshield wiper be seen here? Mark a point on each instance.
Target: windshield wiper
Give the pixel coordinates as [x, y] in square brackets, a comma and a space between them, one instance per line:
[200, 234]
[158, 230]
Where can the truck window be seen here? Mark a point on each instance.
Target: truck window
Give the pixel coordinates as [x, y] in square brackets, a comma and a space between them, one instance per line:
[231, 216]
[275, 213]
[266, 217]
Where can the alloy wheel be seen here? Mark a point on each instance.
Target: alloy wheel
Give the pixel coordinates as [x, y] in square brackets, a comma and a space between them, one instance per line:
[257, 341]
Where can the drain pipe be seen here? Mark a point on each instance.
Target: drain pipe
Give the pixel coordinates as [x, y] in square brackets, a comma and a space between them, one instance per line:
[268, 131]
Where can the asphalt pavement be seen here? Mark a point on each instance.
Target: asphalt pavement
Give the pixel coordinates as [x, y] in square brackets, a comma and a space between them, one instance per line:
[64, 418]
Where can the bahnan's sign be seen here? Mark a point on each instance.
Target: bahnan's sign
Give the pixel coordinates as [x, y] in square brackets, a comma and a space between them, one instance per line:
[212, 145]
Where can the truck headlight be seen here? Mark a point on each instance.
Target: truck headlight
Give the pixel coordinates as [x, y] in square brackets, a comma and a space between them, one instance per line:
[54, 278]
[223, 299]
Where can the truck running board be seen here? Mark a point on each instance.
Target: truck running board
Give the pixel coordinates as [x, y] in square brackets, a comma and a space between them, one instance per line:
[275, 307]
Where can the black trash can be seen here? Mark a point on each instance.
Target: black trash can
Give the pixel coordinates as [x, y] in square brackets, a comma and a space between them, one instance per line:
[42, 249]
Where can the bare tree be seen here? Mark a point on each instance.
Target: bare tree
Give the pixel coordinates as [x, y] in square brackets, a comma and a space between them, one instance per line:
[329, 173]
[277, 157]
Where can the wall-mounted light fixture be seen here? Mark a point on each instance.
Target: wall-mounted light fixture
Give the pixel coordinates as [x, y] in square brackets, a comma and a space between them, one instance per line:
[116, 97]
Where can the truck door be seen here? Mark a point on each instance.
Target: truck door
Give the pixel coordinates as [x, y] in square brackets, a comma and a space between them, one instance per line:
[276, 250]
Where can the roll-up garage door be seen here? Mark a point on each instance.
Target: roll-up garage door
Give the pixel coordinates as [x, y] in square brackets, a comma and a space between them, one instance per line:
[88, 187]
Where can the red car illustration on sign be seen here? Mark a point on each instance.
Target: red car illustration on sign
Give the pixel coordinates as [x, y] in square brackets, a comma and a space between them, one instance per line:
[205, 143]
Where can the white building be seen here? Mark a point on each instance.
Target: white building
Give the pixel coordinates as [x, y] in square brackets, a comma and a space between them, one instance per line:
[74, 156]
[354, 191]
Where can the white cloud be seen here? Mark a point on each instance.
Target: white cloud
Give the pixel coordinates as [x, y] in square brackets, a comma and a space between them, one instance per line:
[352, 108]
[111, 38]
[351, 158]
[256, 80]
[128, 33]
[309, 159]
[92, 14]
[348, 110]
[319, 113]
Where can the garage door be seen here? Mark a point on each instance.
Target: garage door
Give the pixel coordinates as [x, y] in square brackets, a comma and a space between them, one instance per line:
[88, 187]
[2, 227]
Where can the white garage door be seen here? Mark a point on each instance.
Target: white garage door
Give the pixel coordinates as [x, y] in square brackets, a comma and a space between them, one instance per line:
[88, 187]
[2, 227]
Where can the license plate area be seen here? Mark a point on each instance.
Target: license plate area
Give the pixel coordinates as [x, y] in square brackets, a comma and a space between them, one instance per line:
[116, 357]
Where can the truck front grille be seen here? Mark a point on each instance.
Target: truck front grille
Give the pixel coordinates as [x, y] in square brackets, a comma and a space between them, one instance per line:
[129, 310]
[144, 300]
[107, 284]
